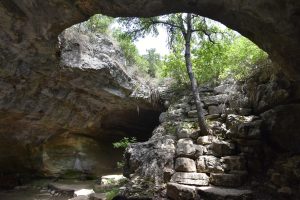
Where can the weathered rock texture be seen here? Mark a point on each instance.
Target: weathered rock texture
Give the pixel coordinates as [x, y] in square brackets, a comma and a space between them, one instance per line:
[65, 119]
[242, 144]
[29, 29]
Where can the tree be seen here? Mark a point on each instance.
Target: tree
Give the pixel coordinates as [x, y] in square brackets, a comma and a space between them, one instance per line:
[153, 61]
[231, 56]
[99, 23]
[180, 27]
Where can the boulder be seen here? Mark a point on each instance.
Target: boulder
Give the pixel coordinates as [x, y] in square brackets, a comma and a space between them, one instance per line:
[180, 192]
[187, 132]
[185, 165]
[200, 150]
[214, 110]
[249, 130]
[225, 88]
[84, 192]
[205, 140]
[221, 148]
[209, 164]
[197, 179]
[215, 100]
[148, 159]
[193, 113]
[185, 148]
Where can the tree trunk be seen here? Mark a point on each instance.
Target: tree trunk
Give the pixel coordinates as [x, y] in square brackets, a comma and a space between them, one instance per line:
[195, 89]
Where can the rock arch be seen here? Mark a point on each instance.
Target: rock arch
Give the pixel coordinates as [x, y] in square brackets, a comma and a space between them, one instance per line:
[29, 29]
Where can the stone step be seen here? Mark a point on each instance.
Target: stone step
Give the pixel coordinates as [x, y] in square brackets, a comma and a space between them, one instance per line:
[177, 191]
[219, 193]
[196, 179]
[228, 180]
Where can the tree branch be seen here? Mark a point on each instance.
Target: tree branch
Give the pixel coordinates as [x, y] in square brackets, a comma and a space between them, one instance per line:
[165, 23]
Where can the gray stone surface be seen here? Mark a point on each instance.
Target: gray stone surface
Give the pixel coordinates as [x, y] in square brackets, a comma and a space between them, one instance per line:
[197, 179]
[221, 148]
[212, 193]
[180, 192]
[148, 159]
[59, 109]
[185, 165]
[209, 164]
[282, 125]
[183, 132]
[214, 110]
[205, 140]
[185, 147]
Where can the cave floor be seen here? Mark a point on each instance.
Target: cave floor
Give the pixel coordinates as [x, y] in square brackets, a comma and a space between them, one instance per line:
[29, 194]
[45, 189]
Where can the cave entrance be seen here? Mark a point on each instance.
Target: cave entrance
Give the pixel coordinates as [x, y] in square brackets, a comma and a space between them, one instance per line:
[77, 155]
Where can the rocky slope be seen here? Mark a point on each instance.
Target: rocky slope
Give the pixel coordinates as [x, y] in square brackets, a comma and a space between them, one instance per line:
[248, 153]
[60, 120]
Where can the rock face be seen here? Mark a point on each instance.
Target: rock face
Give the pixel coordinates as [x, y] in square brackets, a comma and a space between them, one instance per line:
[281, 125]
[65, 119]
[243, 145]
[273, 25]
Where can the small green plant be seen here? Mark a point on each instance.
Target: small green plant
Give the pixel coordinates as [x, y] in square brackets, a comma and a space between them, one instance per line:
[112, 193]
[124, 143]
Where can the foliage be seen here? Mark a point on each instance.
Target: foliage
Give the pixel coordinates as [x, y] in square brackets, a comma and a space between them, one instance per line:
[153, 62]
[112, 193]
[230, 56]
[174, 66]
[99, 23]
[224, 54]
[243, 56]
[133, 59]
[124, 143]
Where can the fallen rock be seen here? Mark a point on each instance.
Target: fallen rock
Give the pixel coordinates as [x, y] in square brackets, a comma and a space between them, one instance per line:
[215, 100]
[112, 179]
[183, 132]
[208, 139]
[250, 130]
[185, 148]
[221, 148]
[180, 192]
[209, 164]
[197, 179]
[214, 110]
[84, 192]
[148, 159]
[200, 150]
[185, 165]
